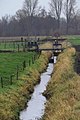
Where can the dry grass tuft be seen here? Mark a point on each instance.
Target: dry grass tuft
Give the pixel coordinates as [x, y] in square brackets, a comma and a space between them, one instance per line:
[63, 91]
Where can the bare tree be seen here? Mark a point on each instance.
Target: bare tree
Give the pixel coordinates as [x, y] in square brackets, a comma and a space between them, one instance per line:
[69, 7]
[55, 9]
[20, 14]
[76, 21]
[43, 13]
[30, 6]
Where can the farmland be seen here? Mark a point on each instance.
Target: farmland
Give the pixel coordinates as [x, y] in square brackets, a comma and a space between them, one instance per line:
[27, 66]
[20, 90]
[14, 97]
[10, 61]
[10, 46]
[74, 39]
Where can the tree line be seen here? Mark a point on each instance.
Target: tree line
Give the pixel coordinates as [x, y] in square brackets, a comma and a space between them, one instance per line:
[62, 16]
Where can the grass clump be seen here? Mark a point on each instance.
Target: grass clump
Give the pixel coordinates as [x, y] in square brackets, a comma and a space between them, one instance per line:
[63, 91]
[14, 98]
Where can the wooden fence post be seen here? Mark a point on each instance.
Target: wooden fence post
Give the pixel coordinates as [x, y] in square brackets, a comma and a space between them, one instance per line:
[1, 82]
[22, 41]
[11, 79]
[17, 72]
[24, 64]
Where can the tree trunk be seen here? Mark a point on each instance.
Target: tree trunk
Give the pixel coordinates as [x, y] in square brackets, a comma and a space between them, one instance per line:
[58, 23]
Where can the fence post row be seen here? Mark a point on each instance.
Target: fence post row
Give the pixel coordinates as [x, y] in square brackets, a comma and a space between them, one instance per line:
[17, 70]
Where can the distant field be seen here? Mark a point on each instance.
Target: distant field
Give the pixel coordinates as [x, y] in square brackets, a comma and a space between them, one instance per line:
[16, 43]
[9, 62]
[11, 46]
[75, 40]
[19, 38]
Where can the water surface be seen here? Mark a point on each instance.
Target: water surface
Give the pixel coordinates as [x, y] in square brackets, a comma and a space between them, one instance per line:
[36, 105]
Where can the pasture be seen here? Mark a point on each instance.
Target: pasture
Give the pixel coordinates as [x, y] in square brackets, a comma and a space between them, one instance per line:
[74, 39]
[11, 63]
[14, 57]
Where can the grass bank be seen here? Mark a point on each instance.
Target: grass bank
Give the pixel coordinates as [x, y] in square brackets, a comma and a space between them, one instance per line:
[63, 90]
[13, 98]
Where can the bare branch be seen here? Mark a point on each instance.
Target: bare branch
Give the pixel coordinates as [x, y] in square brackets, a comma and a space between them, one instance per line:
[56, 8]
[30, 6]
[69, 7]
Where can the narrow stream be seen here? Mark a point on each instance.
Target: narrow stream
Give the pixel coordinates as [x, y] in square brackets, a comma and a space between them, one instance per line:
[36, 106]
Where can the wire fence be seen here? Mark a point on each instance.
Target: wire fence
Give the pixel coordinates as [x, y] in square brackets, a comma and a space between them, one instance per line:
[13, 46]
[18, 45]
[5, 81]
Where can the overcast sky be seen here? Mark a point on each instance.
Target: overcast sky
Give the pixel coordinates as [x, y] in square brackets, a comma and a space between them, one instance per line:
[11, 6]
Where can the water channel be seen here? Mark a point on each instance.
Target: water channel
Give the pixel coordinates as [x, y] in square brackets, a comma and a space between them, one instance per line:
[36, 105]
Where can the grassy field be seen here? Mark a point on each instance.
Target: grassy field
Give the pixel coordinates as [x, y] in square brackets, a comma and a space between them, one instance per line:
[14, 46]
[10, 61]
[74, 39]
[14, 98]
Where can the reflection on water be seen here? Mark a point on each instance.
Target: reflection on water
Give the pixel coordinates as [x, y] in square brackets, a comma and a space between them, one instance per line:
[36, 105]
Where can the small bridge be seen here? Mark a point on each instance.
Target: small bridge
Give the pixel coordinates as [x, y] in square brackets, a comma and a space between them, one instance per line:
[51, 49]
[56, 49]
[52, 40]
[56, 52]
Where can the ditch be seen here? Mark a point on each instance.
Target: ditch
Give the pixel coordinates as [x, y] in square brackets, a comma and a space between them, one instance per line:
[36, 105]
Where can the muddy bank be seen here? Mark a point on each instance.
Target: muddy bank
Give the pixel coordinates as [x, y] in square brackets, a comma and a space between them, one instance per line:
[14, 98]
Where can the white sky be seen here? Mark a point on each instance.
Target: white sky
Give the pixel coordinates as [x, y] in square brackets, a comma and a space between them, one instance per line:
[11, 6]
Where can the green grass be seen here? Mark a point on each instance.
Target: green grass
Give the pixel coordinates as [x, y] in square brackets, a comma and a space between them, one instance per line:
[13, 98]
[9, 62]
[11, 46]
[74, 39]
